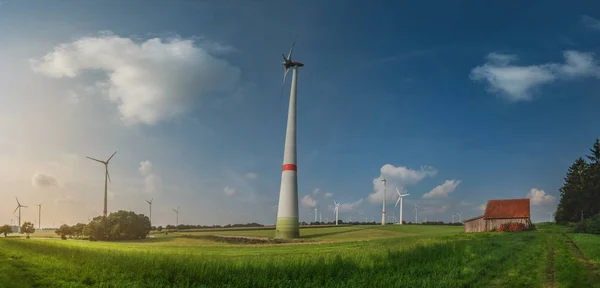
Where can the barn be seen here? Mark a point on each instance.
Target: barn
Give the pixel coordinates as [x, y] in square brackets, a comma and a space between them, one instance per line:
[498, 212]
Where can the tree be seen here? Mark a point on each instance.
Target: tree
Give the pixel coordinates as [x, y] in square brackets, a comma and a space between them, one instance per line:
[5, 230]
[159, 229]
[571, 194]
[121, 225]
[64, 231]
[28, 228]
[591, 196]
[77, 230]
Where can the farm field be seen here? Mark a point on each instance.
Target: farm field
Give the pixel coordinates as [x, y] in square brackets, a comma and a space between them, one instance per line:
[349, 256]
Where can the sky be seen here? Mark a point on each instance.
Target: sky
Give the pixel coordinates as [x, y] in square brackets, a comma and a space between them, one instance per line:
[453, 103]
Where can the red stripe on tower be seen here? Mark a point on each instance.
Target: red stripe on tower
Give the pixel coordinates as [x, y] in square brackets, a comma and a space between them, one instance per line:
[287, 167]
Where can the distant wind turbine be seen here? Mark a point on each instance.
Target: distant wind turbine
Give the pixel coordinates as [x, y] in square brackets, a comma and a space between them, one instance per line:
[316, 213]
[40, 216]
[337, 210]
[150, 203]
[383, 209]
[106, 177]
[416, 213]
[400, 197]
[19, 206]
[177, 219]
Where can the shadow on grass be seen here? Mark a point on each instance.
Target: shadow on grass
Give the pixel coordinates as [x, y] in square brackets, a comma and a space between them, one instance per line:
[328, 234]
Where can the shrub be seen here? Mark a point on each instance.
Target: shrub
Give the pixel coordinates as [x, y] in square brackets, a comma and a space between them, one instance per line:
[591, 225]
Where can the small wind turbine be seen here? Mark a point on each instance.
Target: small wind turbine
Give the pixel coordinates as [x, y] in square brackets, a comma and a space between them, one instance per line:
[337, 210]
[383, 209]
[40, 216]
[106, 177]
[400, 196]
[150, 203]
[416, 213]
[453, 217]
[177, 219]
[316, 213]
[459, 217]
[19, 206]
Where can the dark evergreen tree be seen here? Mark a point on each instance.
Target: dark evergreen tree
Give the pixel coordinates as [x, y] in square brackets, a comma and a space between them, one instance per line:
[591, 197]
[571, 194]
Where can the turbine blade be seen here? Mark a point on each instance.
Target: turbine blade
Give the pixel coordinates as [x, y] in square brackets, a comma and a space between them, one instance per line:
[397, 201]
[283, 83]
[111, 157]
[108, 175]
[16, 209]
[404, 195]
[283, 55]
[96, 160]
[289, 58]
[18, 203]
[398, 191]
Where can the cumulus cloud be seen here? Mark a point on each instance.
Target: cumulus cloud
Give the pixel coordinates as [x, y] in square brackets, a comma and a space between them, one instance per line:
[228, 191]
[152, 182]
[150, 81]
[251, 176]
[347, 207]
[518, 83]
[397, 177]
[590, 22]
[309, 201]
[316, 191]
[43, 181]
[539, 197]
[328, 195]
[442, 191]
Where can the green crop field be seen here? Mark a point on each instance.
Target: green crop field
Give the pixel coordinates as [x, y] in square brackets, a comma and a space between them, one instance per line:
[348, 256]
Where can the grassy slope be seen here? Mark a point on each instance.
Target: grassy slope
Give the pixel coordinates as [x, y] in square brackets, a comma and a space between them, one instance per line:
[396, 258]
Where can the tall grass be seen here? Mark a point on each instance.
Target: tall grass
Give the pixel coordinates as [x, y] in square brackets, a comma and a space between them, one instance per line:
[460, 261]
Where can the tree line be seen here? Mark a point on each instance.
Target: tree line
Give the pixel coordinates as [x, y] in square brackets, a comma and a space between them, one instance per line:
[580, 193]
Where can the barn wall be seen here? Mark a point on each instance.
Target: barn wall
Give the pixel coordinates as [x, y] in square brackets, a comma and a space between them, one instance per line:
[495, 223]
[476, 225]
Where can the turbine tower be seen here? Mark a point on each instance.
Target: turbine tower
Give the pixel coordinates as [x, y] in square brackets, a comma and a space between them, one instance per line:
[19, 206]
[316, 213]
[337, 210]
[106, 177]
[40, 216]
[150, 203]
[177, 217]
[287, 213]
[383, 210]
[416, 214]
[400, 196]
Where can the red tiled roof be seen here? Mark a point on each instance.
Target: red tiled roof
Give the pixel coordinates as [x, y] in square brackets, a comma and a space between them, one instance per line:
[507, 209]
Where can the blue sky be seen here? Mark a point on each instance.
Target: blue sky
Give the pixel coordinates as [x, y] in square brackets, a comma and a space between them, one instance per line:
[498, 99]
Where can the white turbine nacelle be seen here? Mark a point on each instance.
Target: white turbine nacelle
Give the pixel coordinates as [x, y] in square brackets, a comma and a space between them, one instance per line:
[400, 197]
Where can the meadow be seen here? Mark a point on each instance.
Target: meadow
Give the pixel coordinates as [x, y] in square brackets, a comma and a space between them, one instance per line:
[347, 256]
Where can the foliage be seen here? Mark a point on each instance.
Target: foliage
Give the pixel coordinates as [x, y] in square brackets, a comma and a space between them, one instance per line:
[580, 193]
[77, 230]
[63, 231]
[28, 228]
[121, 225]
[591, 225]
[5, 229]
[512, 227]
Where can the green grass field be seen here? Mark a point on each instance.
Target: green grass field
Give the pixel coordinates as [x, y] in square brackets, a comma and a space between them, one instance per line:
[350, 256]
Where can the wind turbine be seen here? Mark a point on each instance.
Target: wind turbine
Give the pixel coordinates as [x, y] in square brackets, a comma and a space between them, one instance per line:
[321, 217]
[316, 213]
[459, 217]
[150, 203]
[287, 212]
[416, 213]
[40, 216]
[383, 209]
[177, 219]
[400, 197]
[19, 206]
[337, 210]
[106, 177]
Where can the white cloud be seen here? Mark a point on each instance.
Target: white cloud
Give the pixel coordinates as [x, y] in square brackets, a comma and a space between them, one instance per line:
[518, 83]
[346, 207]
[316, 191]
[152, 182]
[443, 209]
[442, 191]
[251, 176]
[482, 207]
[397, 177]
[465, 203]
[150, 81]
[228, 191]
[590, 22]
[328, 195]
[43, 181]
[539, 197]
[309, 201]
